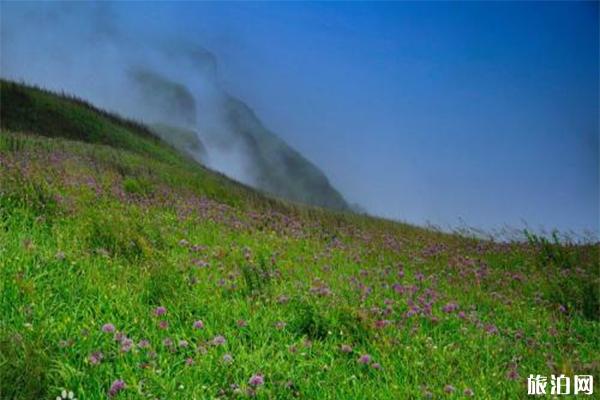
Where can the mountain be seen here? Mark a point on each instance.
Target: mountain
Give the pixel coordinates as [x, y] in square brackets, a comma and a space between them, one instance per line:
[231, 134]
[129, 270]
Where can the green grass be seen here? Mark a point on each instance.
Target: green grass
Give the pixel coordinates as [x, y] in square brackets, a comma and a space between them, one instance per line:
[101, 222]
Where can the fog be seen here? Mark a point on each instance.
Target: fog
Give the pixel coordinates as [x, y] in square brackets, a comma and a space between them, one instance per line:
[416, 112]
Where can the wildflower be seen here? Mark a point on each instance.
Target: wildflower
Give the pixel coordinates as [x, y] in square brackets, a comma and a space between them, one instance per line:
[364, 359]
[189, 361]
[256, 380]
[159, 311]
[512, 374]
[198, 324]
[491, 329]
[449, 389]
[119, 336]
[95, 358]
[241, 323]
[450, 307]
[126, 345]
[163, 325]
[469, 392]
[346, 348]
[108, 328]
[376, 365]
[562, 308]
[462, 315]
[218, 340]
[167, 342]
[227, 358]
[183, 343]
[382, 323]
[280, 325]
[144, 343]
[116, 387]
[282, 299]
[64, 395]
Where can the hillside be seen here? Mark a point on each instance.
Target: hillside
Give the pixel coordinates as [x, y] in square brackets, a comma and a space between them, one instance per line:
[129, 270]
[231, 134]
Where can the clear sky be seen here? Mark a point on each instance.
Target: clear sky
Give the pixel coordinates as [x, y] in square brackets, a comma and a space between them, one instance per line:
[486, 112]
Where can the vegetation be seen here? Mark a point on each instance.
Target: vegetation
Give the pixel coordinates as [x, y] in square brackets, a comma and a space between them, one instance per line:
[129, 271]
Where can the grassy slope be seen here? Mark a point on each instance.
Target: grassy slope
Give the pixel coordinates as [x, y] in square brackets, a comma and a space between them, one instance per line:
[101, 223]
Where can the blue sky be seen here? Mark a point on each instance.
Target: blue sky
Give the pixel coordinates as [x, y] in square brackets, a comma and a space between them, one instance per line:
[486, 112]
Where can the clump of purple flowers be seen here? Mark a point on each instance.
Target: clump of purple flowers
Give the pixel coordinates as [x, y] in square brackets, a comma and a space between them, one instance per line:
[160, 311]
[95, 358]
[256, 380]
[450, 307]
[227, 358]
[449, 388]
[116, 387]
[218, 340]
[364, 359]
[126, 345]
[108, 328]
[198, 324]
[491, 329]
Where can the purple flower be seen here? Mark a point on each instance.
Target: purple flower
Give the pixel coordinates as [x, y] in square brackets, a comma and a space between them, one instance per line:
[116, 387]
[167, 342]
[218, 340]
[256, 380]
[282, 299]
[376, 365]
[160, 311]
[491, 329]
[198, 324]
[512, 374]
[242, 323]
[108, 328]
[120, 336]
[163, 325]
[144, 343]
[96, 357]
[450, 307]
[189, 361]
[364, 359]
[126, 345]
[562, 308]
[381, 323]
[449, 388]
[227, 358]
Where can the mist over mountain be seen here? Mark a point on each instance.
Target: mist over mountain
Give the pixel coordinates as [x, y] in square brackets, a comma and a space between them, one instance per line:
[228, 134]
[173, 85]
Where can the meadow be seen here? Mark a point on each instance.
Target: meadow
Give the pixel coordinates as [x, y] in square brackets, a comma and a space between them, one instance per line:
[129, 271]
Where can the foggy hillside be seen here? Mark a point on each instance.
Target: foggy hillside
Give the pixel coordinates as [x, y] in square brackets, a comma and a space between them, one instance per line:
[169, 83]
